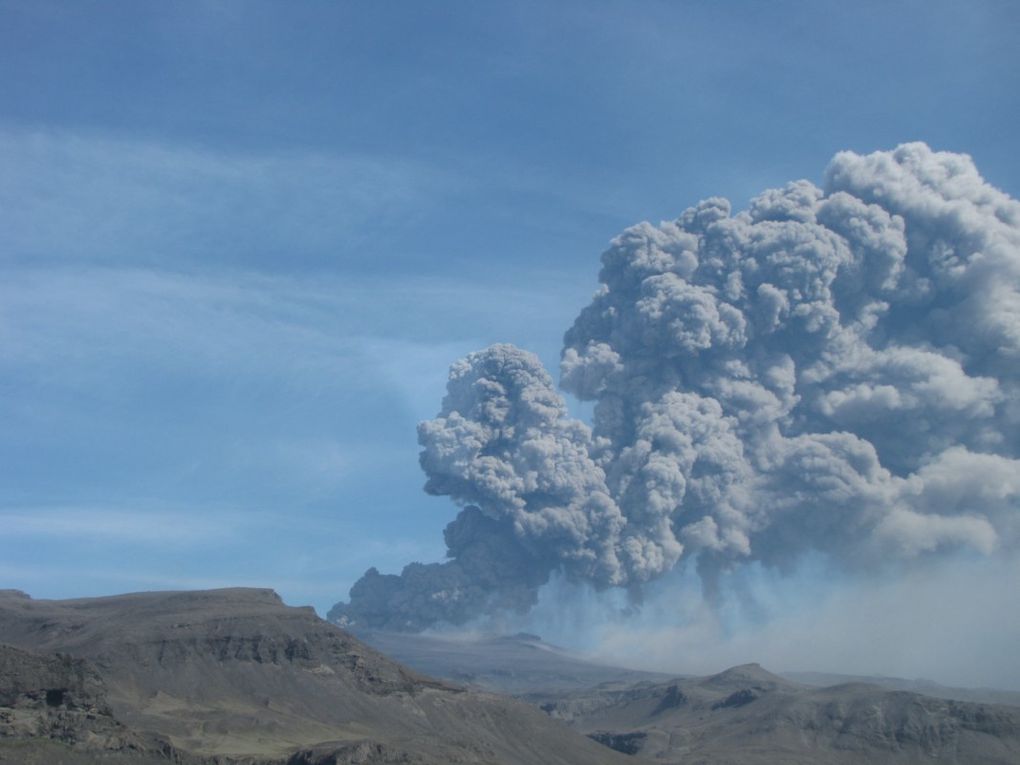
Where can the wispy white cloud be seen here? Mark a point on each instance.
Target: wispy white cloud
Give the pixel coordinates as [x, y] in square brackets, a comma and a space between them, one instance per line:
[240, 321]
[110, 199]
[137, 524]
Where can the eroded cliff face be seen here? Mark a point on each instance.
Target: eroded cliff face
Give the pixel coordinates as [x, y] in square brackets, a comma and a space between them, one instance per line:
[237, 676]
[54, 708]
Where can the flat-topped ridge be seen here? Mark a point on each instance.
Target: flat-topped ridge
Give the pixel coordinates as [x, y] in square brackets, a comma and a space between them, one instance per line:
[236, 673]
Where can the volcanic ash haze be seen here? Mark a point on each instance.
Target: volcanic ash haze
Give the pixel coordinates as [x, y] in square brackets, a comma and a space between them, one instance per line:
[833, 370]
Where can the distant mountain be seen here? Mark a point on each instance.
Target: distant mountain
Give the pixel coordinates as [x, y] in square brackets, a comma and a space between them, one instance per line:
[514, 664]
[744, 715]
[926, 687]
[748, 716]
[232, 676]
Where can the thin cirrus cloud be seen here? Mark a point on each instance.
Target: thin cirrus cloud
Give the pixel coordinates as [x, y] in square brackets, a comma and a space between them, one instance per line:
[72, 326]
[147, 524]
[134, 524]
[100, 198]
[107, 199]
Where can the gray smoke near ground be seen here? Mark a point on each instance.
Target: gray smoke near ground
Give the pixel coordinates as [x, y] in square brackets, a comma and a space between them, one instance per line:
[834, 370]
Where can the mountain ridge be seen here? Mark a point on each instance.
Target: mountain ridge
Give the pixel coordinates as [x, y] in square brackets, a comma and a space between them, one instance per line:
[235, 675]
[749, 716]
[741, 715]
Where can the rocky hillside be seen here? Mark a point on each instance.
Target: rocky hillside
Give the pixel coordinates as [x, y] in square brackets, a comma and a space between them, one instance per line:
[55, 709]
[747, 715]
[236, 676]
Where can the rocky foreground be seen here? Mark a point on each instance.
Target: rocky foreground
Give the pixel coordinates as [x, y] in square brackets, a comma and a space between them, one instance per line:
[235, 676]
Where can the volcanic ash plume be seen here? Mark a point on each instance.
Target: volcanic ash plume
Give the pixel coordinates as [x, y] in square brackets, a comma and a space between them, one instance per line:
[832, 370]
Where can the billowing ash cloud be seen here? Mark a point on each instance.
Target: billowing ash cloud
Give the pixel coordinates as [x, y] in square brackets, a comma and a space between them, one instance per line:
[832, 370]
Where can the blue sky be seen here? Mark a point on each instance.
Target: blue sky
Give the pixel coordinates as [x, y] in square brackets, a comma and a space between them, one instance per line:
[241, 243]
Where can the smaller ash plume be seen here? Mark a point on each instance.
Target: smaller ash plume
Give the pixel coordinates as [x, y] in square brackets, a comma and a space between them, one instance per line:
[834, 370]
[534, 499]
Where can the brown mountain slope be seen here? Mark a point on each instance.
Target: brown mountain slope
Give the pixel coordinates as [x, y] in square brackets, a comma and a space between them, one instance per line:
[237, 675]
[747, 716]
